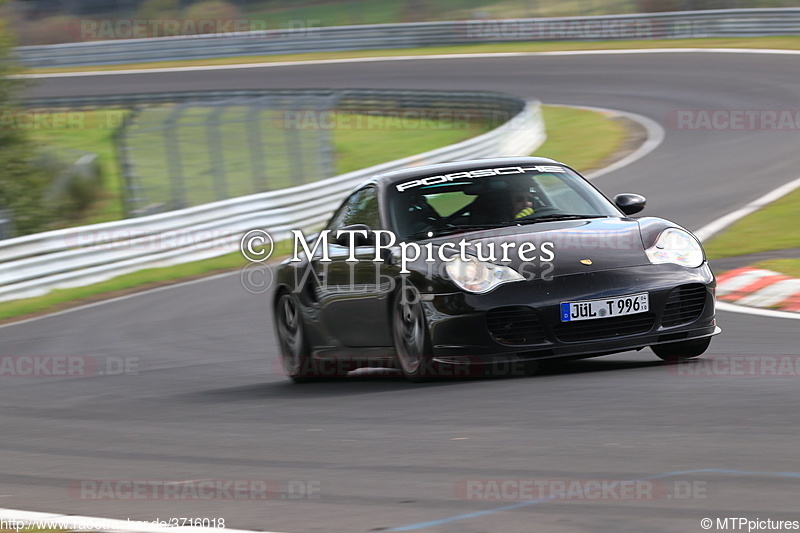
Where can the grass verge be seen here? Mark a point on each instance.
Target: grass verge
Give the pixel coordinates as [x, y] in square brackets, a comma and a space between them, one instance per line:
[784, 43]
[789, 267]
[598, 137]
[358, 148]
[93, 132]
[763, 231]
[354, 148]
[562, 125]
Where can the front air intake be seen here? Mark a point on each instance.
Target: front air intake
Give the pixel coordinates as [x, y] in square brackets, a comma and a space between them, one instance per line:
[516, 326]
[684, 304]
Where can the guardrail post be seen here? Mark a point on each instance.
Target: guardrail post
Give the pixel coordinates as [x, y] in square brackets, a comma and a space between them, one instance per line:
[6, 224]
[174, 161]
[294, 151]
[130, 190]
[215, 150]
[256, 145]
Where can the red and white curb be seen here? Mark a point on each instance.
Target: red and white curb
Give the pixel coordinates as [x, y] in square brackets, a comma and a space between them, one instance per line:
[756, 287]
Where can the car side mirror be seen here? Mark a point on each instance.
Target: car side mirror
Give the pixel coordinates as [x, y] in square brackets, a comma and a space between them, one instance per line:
[630, 203]
[344, 240]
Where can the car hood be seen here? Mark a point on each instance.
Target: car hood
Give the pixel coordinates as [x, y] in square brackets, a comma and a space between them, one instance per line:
[606, 242]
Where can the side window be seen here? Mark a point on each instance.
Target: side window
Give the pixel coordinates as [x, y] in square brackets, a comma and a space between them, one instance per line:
[364, 209]
[337, 220]
[360, 208]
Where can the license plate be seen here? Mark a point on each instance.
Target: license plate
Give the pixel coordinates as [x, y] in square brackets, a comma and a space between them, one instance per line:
[604, 308]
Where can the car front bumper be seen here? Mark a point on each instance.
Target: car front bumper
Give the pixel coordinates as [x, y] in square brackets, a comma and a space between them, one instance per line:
[472, 327]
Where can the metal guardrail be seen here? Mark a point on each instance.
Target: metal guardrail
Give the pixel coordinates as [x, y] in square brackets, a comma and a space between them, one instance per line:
[679, 24]
[182, 149]
[35, 264]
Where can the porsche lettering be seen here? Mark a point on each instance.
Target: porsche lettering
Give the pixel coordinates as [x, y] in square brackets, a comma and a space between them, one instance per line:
[481, 173]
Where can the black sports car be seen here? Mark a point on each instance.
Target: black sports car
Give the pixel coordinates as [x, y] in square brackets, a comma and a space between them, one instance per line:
[444, 269]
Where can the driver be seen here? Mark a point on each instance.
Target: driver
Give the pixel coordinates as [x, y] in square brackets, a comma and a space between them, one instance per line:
[521, 203]
[514, 200]
[520, 199]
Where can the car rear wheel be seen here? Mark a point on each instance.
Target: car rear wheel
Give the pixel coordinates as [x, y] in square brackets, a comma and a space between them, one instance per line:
[297, 362]
[410, 333]
[678, 351]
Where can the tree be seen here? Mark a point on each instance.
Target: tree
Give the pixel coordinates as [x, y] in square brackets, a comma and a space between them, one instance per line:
[23, 182]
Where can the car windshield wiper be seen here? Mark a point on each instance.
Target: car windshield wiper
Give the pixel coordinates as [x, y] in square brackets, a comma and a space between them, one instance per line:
[449, 230]
[555, 216]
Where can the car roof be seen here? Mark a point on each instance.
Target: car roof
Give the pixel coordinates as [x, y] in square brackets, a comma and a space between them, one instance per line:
[396, 176]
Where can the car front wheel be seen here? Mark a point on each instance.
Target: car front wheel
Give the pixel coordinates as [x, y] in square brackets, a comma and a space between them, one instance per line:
[410, 333]
[297, 362]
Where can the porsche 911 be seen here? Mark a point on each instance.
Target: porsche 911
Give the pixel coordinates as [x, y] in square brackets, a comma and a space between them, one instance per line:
[448, 268]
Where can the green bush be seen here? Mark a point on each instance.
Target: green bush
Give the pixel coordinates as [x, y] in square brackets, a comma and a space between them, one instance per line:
[75, 185]
[50, 30]
[23, 182]
[657, 6]
[158, 10]
[219, 12]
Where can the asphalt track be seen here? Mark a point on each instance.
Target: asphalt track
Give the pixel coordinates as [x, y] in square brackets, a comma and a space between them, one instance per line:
[207, 402]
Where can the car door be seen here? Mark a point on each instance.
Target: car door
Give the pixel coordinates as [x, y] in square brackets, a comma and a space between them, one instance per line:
[354, 307]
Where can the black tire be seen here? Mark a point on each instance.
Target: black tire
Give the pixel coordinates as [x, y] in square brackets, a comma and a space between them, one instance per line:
[410, 333]
[297, 362]
[678, 351]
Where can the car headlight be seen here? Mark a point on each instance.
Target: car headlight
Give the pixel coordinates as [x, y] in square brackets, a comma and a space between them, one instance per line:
[479, 277]
[676, 246]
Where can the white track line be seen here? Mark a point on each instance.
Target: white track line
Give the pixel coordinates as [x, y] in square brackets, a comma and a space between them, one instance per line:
[119, 298]
[405, 58]
[68, 522]
[715, 227]
[655, 136]
[721, 223]
[772, 313]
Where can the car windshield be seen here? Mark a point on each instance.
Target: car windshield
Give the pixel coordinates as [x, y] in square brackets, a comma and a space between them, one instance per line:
[492, 197]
